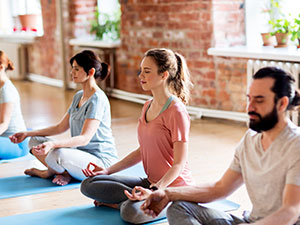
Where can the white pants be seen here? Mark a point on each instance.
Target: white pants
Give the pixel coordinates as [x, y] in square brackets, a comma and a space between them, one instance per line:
[71, 160]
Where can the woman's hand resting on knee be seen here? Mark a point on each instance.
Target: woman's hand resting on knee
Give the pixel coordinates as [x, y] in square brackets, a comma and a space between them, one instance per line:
[97, 170]
[43, 149]
[18, 137]
[138, 193]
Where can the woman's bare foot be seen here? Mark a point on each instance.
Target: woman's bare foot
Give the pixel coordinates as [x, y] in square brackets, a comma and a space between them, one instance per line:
[114, 206]
[39, 173]
[62, 179]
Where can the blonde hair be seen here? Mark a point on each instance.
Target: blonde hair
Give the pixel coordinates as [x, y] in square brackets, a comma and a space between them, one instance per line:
[179, 76]
[6, 61]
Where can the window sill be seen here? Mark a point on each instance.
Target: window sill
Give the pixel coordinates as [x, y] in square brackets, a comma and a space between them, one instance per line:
[94, 43]
[22, 37]
[290, 54]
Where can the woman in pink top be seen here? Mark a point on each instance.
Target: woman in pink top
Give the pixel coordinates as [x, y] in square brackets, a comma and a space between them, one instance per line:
[163, 133]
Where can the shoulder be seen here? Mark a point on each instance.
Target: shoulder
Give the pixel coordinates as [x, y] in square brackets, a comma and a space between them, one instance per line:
[99, 100]
[99, 96]
[292, 135]
[78, 94]
[9, 91]
[177, 107]
[9, 86]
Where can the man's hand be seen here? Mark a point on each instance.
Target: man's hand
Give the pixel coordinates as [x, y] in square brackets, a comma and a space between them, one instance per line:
[155, 203]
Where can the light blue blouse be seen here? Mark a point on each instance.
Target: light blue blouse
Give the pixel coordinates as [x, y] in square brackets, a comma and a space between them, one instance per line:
[9, 93]
[102, 145]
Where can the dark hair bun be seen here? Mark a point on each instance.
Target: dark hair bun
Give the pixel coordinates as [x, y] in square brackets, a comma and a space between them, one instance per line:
[105, 72]
[87, 60]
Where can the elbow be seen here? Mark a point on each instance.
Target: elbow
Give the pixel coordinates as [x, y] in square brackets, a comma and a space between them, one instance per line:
[178, 167]
[85, 140]
[294, 212]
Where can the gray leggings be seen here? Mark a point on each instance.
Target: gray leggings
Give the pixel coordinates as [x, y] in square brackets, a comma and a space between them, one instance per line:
[189, 213]
[110, 189]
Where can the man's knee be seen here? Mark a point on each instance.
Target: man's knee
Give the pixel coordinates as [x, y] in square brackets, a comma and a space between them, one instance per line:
[175, 207]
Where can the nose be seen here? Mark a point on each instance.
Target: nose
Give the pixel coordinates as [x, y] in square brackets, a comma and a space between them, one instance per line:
[140, 74]
[250, 106]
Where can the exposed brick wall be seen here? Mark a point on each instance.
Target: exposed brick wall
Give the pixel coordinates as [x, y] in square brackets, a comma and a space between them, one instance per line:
[81, 13]
[44, 53]
[189, 27]
[229, 22]
[230, 91]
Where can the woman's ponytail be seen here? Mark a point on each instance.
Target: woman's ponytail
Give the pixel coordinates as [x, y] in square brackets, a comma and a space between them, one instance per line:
[179, 77]
[181, 82]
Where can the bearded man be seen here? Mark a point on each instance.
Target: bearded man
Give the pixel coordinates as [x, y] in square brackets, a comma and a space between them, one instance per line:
[267, 161]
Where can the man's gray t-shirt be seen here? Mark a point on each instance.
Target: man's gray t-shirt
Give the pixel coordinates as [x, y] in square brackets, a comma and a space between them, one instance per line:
[9, 94]
[265, 173]
[97, 107]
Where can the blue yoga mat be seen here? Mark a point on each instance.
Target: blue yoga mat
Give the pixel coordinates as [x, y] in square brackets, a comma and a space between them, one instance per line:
[26, 185]
[222, 205]
[23, 158]
[77, 215]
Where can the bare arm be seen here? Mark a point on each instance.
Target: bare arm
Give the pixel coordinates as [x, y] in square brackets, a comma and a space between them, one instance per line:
[288, 212]
[180, 157]
[229, 182]
[5, 115]
[158, 200]
[89, 129]
[58, 128]
[130, 160]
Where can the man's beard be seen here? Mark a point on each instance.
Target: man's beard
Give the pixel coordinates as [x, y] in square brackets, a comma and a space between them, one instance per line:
[264, 123]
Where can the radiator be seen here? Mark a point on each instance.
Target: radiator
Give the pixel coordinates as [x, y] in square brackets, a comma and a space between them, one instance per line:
[294, 68]
[16, 53]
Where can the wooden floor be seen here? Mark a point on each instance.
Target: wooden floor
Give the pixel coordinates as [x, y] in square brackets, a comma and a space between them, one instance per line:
[212, 144]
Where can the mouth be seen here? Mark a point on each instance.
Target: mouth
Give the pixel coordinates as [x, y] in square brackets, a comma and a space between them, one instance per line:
[253, 117]
[143, 82]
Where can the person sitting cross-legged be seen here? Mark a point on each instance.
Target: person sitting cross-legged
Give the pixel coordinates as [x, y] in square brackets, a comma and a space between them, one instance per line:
[267, 161]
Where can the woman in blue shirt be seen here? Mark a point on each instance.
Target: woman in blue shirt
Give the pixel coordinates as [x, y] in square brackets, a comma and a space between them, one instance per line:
[89, 120]
[11, 119]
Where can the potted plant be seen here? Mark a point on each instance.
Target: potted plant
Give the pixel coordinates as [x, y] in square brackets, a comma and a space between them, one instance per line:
[282, 28]
[28, 18]
[271, 11]
[105, 26]
[296, 31]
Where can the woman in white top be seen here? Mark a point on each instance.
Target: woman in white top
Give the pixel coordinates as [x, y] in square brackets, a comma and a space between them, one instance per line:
[11, 119]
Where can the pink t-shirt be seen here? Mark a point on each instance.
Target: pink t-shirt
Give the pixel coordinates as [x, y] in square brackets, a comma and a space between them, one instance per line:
[156, 139]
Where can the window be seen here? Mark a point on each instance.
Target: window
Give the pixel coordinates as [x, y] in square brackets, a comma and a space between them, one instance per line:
[107, 26]
[257, 21]
[13, 12]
